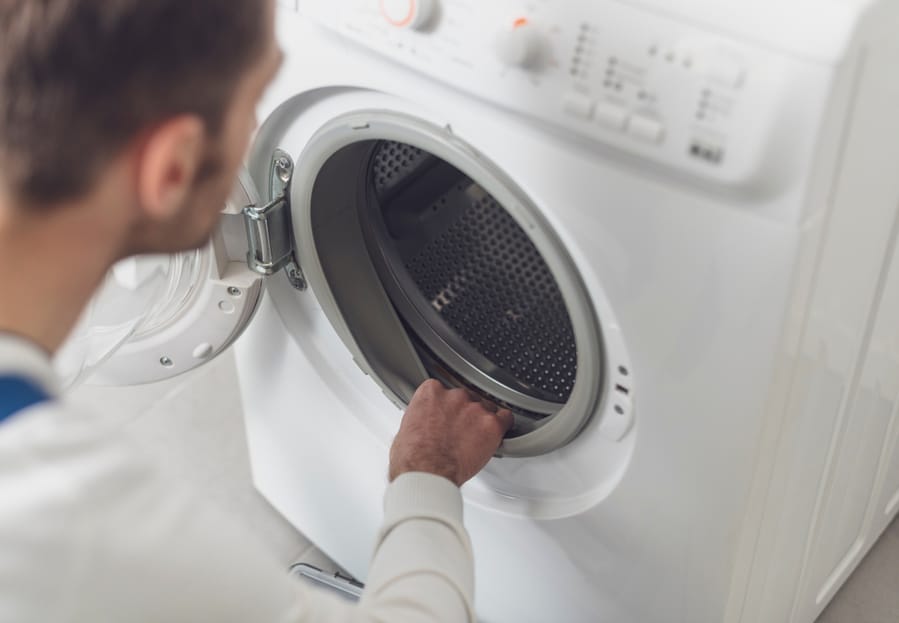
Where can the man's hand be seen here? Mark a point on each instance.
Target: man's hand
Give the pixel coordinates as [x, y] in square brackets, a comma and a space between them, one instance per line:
[447, 432]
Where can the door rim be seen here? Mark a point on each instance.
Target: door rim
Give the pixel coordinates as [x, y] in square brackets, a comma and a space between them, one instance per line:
[361, 126]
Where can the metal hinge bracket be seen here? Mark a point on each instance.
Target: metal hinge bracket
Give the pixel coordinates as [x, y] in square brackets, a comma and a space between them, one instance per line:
[270, 229]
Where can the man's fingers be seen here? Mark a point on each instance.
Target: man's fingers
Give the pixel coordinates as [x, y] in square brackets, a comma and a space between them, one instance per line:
[472, 396]
[489, 406]
[430, 387]
[506, 419]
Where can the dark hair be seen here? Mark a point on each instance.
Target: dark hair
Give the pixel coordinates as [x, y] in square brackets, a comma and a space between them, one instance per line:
[80, 78]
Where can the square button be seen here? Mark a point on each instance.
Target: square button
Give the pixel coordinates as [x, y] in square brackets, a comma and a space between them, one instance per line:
[646, 129]
[579, 105]
[611, 116]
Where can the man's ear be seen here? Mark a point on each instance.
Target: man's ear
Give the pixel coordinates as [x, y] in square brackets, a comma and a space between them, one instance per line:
[167, 165]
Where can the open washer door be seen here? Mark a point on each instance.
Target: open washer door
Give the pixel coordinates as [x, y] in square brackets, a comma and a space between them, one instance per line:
[155, 317]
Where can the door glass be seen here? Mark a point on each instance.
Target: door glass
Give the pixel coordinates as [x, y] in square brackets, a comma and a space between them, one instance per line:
[138, 296]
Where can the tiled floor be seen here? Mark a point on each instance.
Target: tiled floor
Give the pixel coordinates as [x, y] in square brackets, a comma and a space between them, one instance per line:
[194, 423]
[872, 593]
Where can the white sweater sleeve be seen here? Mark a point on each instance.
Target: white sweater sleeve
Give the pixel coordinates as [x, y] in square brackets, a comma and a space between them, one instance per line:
[91, 533]
[422, 569]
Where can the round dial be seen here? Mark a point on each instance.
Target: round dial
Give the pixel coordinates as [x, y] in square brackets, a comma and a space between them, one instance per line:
[520, 46]
[412, 14]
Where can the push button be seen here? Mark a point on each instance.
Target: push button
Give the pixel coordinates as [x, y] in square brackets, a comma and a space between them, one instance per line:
[611, 116]
[646, 129]
[578, 105]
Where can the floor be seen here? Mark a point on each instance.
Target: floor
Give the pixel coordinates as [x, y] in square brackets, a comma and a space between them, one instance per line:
[872, 593]
[194, 423]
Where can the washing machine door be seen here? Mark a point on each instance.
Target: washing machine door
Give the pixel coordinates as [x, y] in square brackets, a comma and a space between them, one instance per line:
[155, 317]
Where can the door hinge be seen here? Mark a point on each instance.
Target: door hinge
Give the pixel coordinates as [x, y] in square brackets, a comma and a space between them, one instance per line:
[270, 229]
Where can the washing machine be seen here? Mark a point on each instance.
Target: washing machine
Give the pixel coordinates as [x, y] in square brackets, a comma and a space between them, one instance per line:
[662, 233]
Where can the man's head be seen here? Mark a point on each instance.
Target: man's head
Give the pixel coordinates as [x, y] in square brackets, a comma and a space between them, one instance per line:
[155, 98]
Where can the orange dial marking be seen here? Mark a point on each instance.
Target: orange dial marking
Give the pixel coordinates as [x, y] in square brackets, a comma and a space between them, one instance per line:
[401, 22]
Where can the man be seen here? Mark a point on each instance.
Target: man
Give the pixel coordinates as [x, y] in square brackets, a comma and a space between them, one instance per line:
[122, 126]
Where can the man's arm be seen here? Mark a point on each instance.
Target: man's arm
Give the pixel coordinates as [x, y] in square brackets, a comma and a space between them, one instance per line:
[129, 543]
[423, 566]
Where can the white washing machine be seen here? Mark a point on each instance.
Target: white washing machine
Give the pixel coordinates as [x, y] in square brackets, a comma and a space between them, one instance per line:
[662, 232]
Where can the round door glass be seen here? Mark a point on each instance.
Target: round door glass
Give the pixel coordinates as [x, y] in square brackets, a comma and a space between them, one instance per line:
[137, 296]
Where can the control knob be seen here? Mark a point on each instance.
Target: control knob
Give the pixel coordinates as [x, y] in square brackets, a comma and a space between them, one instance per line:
[520, 46]
[410, 14]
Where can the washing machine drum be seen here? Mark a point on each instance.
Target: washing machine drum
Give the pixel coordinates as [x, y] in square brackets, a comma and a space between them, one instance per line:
[481, 306]
[463, 275]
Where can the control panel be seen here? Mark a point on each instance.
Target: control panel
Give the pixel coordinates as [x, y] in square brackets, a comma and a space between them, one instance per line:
[610, 72]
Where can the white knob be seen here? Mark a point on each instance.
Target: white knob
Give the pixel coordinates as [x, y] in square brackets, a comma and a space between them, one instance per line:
[520, 46]
[411, 14]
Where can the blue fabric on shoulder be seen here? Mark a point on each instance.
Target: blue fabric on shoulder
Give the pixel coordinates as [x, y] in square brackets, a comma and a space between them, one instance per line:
[16, 394]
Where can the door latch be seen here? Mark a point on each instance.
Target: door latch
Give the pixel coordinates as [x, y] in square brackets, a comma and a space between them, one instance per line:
[270, 229]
